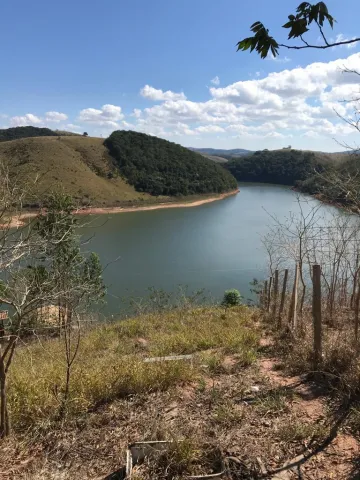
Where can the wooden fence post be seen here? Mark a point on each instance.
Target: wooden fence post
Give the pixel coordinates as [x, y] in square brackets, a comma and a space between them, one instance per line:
[269, 295]
[294, 300]
[275, 293]
[316, 311]
[265, 295]
[283, 295]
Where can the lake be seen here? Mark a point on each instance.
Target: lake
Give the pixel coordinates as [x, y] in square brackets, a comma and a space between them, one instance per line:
[216, 246]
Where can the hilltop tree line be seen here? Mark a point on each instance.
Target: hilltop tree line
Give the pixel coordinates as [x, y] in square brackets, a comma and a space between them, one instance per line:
[160, 167]
[15, 133]
[308, 172]
[283, 167]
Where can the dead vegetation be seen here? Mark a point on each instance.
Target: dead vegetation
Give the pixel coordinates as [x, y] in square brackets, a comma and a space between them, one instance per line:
[256, 415]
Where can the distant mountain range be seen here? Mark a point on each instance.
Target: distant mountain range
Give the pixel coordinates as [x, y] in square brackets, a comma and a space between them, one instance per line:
[218, 152]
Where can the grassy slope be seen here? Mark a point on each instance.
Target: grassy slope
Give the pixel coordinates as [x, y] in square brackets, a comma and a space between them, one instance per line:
[233, 395]
[79, 164]
[110, 361]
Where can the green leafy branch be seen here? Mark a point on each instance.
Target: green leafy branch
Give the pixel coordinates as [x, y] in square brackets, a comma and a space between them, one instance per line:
[306, 14]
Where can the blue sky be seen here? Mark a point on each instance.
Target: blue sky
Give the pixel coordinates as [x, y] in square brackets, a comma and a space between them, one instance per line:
[83, 66]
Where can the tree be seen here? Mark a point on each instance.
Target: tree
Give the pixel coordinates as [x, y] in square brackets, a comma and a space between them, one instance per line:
[40, 263]
[306, 15]
[85, 134]
[76, 278]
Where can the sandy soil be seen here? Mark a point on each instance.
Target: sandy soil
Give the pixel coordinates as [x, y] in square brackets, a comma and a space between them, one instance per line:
[19, 220]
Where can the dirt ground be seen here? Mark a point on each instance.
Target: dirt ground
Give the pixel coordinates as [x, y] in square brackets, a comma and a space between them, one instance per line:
[266, 423]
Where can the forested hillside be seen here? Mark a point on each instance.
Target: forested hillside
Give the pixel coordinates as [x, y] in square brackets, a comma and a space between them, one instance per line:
[160, 167]
[310, 172]
[284, 167]
[15, 133]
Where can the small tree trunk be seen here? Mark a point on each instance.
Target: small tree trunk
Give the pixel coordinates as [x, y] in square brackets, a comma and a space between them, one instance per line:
[269, 295]
[294, 298]
[316, 310]
[4, 417]
[303, 290]
[265, 295]
[275, 294]
[283, 295]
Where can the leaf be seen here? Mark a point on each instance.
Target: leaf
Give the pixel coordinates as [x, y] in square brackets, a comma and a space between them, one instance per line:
[256, 27]
[288, 24]
[244, 44]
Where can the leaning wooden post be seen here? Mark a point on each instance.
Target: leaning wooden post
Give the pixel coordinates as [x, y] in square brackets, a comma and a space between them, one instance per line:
[275, 293]
[294, 300]
[269, 295]
[265, 295]
[316, 311]
[283, 295]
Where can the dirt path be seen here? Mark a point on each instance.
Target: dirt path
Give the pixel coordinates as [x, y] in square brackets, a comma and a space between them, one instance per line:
[338, 455]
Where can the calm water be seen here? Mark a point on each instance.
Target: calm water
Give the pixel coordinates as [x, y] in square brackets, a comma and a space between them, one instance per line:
[214, 247]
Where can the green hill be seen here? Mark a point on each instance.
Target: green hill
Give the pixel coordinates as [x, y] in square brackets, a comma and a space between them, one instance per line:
[79, 165]
[143, 169]
[305, 170]
[160, 167]
[15, 133]
[284, 167]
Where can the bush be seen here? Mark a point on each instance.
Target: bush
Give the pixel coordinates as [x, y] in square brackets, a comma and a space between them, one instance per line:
[232, 298]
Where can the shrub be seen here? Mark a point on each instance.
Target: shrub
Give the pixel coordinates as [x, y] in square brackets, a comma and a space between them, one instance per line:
[232, 298]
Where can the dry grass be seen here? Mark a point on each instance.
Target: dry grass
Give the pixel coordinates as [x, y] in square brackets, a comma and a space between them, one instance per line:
[110, 362]
[296, 431]
[179, 460]
[340, 364]
[78, 164]
[211, 401]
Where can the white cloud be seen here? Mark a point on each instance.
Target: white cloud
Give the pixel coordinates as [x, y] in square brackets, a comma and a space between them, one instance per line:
[210, 129]
[282, 104]
[278, 59]
[108, 115]
[310, 134]
[277, 135]
[136, 113]
[299, 103]
[215, 81]
[156, 95]
[55, 117]
[72, 127]
[343, 38]
[25, 120]
[127, 125]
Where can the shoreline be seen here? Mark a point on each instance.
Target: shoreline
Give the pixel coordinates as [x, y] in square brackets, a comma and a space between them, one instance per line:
[19, 220]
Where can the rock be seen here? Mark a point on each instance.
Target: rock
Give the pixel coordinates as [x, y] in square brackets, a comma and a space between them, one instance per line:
[142, 343]
[255, 389]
